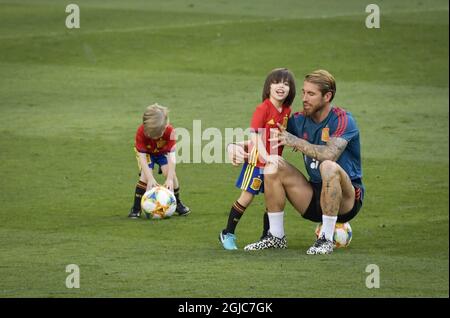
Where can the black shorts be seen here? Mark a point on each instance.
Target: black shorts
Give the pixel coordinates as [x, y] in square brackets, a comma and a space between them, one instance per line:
[314, 211]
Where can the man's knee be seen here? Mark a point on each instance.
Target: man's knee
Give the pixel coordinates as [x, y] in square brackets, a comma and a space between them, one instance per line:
[274, 172]
[329, 170]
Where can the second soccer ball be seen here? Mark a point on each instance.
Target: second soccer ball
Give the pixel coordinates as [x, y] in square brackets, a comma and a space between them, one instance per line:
[342, 234]
[158, 203]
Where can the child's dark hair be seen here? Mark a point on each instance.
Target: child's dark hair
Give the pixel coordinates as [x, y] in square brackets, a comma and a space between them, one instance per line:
[276, 76]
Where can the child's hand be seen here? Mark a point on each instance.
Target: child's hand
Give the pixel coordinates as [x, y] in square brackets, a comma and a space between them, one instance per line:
[236, 154]
[151, 184]
[169, 184]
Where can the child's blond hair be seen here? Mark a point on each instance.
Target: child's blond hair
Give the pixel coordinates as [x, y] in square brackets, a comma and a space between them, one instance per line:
[155, 120]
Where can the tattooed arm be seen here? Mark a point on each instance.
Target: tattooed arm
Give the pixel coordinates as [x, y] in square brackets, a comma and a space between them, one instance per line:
[331, 151]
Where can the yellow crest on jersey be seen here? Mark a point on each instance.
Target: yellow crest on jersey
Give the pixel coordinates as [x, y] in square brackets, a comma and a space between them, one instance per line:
[161, 143]
[326, 134]
[256, 184]
[285, 121]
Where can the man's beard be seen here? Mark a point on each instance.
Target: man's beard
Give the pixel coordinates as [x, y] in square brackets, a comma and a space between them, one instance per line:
[313, 110]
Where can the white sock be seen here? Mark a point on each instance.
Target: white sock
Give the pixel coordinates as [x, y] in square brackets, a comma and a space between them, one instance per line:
[328, 224]
[276, 223]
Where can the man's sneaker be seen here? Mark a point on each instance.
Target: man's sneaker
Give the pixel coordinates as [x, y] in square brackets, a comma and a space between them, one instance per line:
[269, 241]
[228, 241]
[264, 234]
[321, 246]
[182, 209]
[134, 214]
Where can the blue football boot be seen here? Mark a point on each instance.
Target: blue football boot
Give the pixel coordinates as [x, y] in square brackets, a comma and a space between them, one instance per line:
[228, 241]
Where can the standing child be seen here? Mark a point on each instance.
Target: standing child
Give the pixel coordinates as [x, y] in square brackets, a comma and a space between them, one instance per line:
[277, 97]
[155, 143]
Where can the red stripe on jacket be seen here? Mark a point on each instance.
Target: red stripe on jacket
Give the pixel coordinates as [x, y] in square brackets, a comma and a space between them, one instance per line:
[342, 121]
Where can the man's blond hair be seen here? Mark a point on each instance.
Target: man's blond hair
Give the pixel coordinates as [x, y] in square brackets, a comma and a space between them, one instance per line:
[324, 80]
[155, 120]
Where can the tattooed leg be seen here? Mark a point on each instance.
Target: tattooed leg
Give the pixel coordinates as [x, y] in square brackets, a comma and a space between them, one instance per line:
[338, 194]
[331, 196]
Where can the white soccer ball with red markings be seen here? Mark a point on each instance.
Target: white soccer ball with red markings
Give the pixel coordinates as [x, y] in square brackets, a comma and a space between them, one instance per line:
[158, 203]
[342, 234]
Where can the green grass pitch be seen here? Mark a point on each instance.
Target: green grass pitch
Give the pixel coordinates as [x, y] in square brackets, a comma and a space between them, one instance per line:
[70, 102]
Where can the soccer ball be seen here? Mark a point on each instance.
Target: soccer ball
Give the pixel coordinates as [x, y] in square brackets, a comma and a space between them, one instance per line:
[158, 203]
[342, 234]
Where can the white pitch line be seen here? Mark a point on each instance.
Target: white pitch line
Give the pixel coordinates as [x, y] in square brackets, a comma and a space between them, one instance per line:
[194, 25]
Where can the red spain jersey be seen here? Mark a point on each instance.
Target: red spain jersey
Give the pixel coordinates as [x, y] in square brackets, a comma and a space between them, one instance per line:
[266, 117]
[158, 146]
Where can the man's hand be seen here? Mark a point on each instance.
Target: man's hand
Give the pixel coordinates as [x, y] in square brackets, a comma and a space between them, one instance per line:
[236, 154]
[275, 160]
[272, 164]
[282, 138]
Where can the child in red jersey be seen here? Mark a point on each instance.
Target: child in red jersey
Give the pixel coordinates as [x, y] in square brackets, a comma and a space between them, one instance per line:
[277, 97]
[155, 143]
